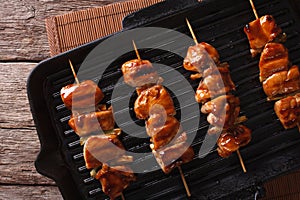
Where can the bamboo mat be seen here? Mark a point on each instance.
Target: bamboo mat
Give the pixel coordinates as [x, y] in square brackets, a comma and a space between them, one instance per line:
[71, 30]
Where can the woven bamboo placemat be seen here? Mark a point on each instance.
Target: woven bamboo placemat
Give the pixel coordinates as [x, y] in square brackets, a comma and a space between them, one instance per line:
[71, 30]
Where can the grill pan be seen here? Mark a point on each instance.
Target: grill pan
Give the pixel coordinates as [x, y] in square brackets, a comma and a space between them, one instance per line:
[273, 151]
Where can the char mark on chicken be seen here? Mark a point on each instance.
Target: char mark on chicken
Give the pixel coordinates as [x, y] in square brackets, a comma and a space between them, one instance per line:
[222, 111]
[200, 57]
[288, 111]
[261, 31]
[215, 82]
[115, 179]
[282, 83]
[81, 96]
[152, 97]
[85, 124]
[232, 139]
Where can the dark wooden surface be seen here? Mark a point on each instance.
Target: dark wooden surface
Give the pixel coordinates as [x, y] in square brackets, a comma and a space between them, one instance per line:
[23, 43]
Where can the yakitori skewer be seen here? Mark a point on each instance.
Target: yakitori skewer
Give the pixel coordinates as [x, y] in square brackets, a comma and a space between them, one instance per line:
[213, 96]
[155, 105]
[113, 179]
[179, 167]
[280, 79]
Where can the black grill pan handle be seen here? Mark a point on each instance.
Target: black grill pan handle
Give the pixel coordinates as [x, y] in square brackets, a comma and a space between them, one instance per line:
[155, 12]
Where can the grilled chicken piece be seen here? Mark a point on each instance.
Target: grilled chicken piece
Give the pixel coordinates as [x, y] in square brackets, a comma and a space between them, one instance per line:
[201, 56]
[222, 111]
[261, 31]
[138, 73]
[174, 154]
[115, 179]
[231, 140]
[85, 124]
[79, 96]
[162, 129]
[155, 96]
[216, 82]
[282, 83]
[274, 58]
[288, 111]
[102, 149]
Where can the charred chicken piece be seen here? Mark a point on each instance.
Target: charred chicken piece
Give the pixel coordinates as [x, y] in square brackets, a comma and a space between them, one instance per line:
[261, 31]
[274, 58]
[162, 129]
[102, 149]
[85, 124]
[115, 179]
[79, 96]
[282, 83]
[174, 154]
[155, 96]
[288, 111]
[215, 83]
[222, 111]
[200, 57]
[231, 140]
[139, 73]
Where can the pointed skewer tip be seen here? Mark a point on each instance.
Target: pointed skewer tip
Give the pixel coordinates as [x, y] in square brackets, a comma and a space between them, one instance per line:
[74, 74]
[241, 161]
[122, 196]
[188, 193]
[254, 9]
[136, 50]
[191, 30]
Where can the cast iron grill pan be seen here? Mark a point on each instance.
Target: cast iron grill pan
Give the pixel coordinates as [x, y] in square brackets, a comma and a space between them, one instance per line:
[272, 151]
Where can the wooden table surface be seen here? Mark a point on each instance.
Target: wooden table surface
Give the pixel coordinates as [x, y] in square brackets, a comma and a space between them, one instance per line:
[23, 43]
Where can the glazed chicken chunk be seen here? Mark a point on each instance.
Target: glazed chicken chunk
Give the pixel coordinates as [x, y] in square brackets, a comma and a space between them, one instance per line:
[200, 57]
[288, 111]
[162, 129]
[261, 31]
[174, 154]
[222, 111]
[215, 82]
[274, 58]
[85, 124]
[138, 73]
[115, 179]
[154, 97]
[79, 96]
[102, 149]
[232, 139]
[282, 83]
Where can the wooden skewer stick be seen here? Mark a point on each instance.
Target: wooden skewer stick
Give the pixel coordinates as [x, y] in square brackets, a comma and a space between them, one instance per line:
[192, 32]
[241, 161]
[122, 196]
[254, 9]
[136, 50]
[242, 118]
[188, 193]
[72, 68]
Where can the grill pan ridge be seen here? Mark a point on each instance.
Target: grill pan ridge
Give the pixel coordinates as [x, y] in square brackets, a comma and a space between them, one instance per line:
[272, 151]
